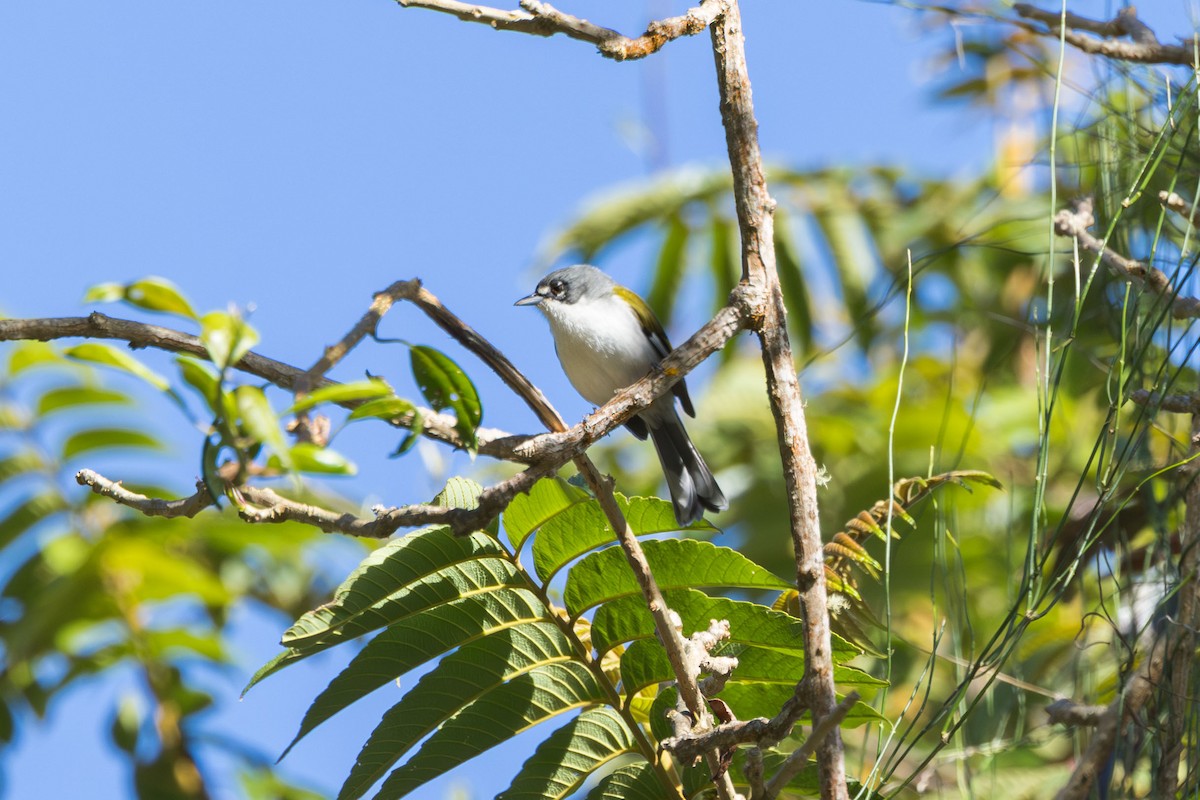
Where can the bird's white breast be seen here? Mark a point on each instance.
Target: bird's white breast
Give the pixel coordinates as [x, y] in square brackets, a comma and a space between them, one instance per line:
[601, 346]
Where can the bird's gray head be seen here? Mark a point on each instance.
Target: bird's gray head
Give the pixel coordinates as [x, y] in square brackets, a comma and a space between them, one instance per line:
[570, 285]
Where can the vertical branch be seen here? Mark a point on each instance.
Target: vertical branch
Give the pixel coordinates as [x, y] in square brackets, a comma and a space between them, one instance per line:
[1182, 645]
[755, 209]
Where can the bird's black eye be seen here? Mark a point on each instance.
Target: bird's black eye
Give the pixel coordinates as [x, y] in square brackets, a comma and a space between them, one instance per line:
[557, 287]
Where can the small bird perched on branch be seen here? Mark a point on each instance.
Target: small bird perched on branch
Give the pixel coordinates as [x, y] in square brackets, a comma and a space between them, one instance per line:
[607, 338]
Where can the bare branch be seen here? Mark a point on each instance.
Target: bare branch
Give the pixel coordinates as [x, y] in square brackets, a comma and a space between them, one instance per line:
[1068, 712]
[755, 209]
[542, 19]
[259, 504]
[798, 759]
[151, 507]
[1180, 206]
[1144, 46]
[1074, 222]
[1137, 693]
[1180, 634]
[1175, 403]
[440, 427]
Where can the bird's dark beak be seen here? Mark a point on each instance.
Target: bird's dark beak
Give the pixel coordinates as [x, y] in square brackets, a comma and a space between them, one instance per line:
[532, 300]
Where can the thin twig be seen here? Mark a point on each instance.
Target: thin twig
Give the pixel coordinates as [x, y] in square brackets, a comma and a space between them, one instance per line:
[1143, 46]
[1175, 403]
[263, 505]
[151, 507]
[1175, 203]
[1137, 693]
[1074, 222]
[440, 427]
[1068, 712]
[542, 19]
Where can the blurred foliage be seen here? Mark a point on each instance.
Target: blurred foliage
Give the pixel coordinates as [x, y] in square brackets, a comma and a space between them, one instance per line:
[89, 588]
[505, 658]
[1017, 364]
[943, 331]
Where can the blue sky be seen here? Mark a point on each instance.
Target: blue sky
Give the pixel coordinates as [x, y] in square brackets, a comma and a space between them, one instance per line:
[296, 156]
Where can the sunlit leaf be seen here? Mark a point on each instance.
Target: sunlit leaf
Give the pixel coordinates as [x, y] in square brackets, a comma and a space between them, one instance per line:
[485, 577]
[31, 354]
[676, 563]
[67, 397]
[22, 462]
[414, 638]
[527, 512]
[158, 294]
[260, 421]
[444, 385]
[583, 527]
[24, 516]
[86, 441]
[627, 619]
[343, 392]
[498, 713]
[384, 408]
[227, 337]
[572, 753]
[630, 782]
[385, 572]
[317, 460]
[109, 356]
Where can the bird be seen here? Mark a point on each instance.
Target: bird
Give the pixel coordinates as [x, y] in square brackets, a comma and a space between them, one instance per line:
[607, 337]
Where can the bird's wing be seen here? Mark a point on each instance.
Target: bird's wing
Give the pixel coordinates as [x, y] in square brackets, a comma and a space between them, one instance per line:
[658, 339]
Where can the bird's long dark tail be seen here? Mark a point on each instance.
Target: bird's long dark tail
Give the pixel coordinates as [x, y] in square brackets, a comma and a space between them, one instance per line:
[693, 488]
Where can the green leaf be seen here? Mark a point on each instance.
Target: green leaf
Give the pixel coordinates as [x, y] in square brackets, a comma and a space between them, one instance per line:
[67, 397]
[793, 283]
[26, 355]
[418, 637]
[645, 664]
[630, 207]
[386, 571]
[152, 293]
[676, 563]
[317, 460]
[725, 266]
[158, 294]
[750, 699]
[569, 755]
[86, 441]
[387, 408]
[444, 385]
[109, 356]
[23, 462]
[29, 513]
[204, 379]
[668, 272]
[476, 670]
[260, 421]
[528, 512]
[630, 782]
[584, 527]
[227, 337]
[343, 392]
[104, 293]
[849, 241]
[459, 492]
[473, 577]
[627, 619]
